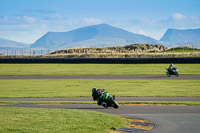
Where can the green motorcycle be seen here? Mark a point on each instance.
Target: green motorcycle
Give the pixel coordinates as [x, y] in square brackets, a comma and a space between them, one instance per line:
[173, 71]
[109, 101]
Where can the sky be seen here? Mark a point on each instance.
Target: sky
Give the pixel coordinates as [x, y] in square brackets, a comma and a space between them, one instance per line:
[28, 20]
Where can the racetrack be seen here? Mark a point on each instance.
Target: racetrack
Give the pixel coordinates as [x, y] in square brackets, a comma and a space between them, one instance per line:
[144, 77]
[124, 109]
[167, 118]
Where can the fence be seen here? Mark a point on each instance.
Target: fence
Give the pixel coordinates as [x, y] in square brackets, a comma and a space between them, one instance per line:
[22, 52]
[102, 60]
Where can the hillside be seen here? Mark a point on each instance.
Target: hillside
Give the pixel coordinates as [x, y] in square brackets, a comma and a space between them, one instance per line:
[101, 35]
[133, 48]
[175, 37]
[8, 44]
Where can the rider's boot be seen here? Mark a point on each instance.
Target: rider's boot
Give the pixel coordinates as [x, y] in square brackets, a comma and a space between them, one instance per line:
[104, 105]
[114, 97]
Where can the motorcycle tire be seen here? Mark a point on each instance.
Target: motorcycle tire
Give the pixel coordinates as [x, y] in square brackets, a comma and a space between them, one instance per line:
[105, 106]
[176, 74]
[116, 106]
[114, 97]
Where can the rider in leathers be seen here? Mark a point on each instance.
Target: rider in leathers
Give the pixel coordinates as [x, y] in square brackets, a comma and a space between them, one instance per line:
[97, 95]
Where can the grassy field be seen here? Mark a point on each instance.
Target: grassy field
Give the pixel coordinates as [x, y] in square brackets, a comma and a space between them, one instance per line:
[82, 88]
[94, 69]
[34, 120]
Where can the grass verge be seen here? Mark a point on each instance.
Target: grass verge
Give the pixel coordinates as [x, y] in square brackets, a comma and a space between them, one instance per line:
[82, 87]
[95, 69]
[57, 120]
[189, 103]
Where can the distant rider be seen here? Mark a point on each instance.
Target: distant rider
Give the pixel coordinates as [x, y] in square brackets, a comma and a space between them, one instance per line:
[97, 95]
[171, 66]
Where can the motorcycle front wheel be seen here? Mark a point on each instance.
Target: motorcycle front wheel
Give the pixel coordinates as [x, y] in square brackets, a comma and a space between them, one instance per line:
[115, 104]
[176, 74]
[168, 75]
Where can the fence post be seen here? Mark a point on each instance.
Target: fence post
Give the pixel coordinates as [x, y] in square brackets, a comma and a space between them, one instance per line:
[193, 49]
[163, 53]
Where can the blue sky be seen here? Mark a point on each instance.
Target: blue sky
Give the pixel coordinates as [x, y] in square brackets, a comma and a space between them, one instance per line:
[28, 20]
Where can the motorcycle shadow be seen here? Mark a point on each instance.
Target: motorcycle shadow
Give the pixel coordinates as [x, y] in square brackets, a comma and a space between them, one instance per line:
[156, 77]
[84, 106]
[88, 108]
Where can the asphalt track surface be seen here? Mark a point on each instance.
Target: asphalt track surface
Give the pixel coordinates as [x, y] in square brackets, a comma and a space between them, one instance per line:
[144, 77]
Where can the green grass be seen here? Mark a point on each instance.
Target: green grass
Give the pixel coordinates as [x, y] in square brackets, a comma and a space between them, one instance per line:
[35, 120]
[190, 103]
[94, 69]
[180, 50]
[82, 87]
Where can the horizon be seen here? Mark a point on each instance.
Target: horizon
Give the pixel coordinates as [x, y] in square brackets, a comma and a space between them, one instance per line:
[27, 21]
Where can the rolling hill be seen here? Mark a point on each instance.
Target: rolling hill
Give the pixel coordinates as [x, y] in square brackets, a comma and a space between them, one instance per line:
[101, 35]
[9, 44]
[175, 37]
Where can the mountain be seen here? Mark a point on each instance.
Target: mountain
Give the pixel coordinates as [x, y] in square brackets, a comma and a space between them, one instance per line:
[9, 44]
[177, 37]
[101, 35]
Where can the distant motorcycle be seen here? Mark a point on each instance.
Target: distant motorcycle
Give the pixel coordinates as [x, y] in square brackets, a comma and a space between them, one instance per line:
[173, 71]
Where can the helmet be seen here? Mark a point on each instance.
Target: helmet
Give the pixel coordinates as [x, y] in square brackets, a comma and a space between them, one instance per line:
[171, 64]
[93, 89]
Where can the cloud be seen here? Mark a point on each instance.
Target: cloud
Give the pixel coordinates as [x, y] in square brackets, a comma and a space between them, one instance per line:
[42, 11]
[30, 19]
[16, 20]
[91, 21]
[195, 19]
[57, 16]
[142, 32]
[178, 16]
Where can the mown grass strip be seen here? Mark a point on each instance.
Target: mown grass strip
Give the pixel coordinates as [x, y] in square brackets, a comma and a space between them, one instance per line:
[48, 102]
[57, 121]
[95, 69]
[189, 103]
[82, 88]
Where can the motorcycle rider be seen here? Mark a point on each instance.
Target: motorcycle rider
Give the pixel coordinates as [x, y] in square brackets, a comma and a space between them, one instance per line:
[98, 96]
[170, 68]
